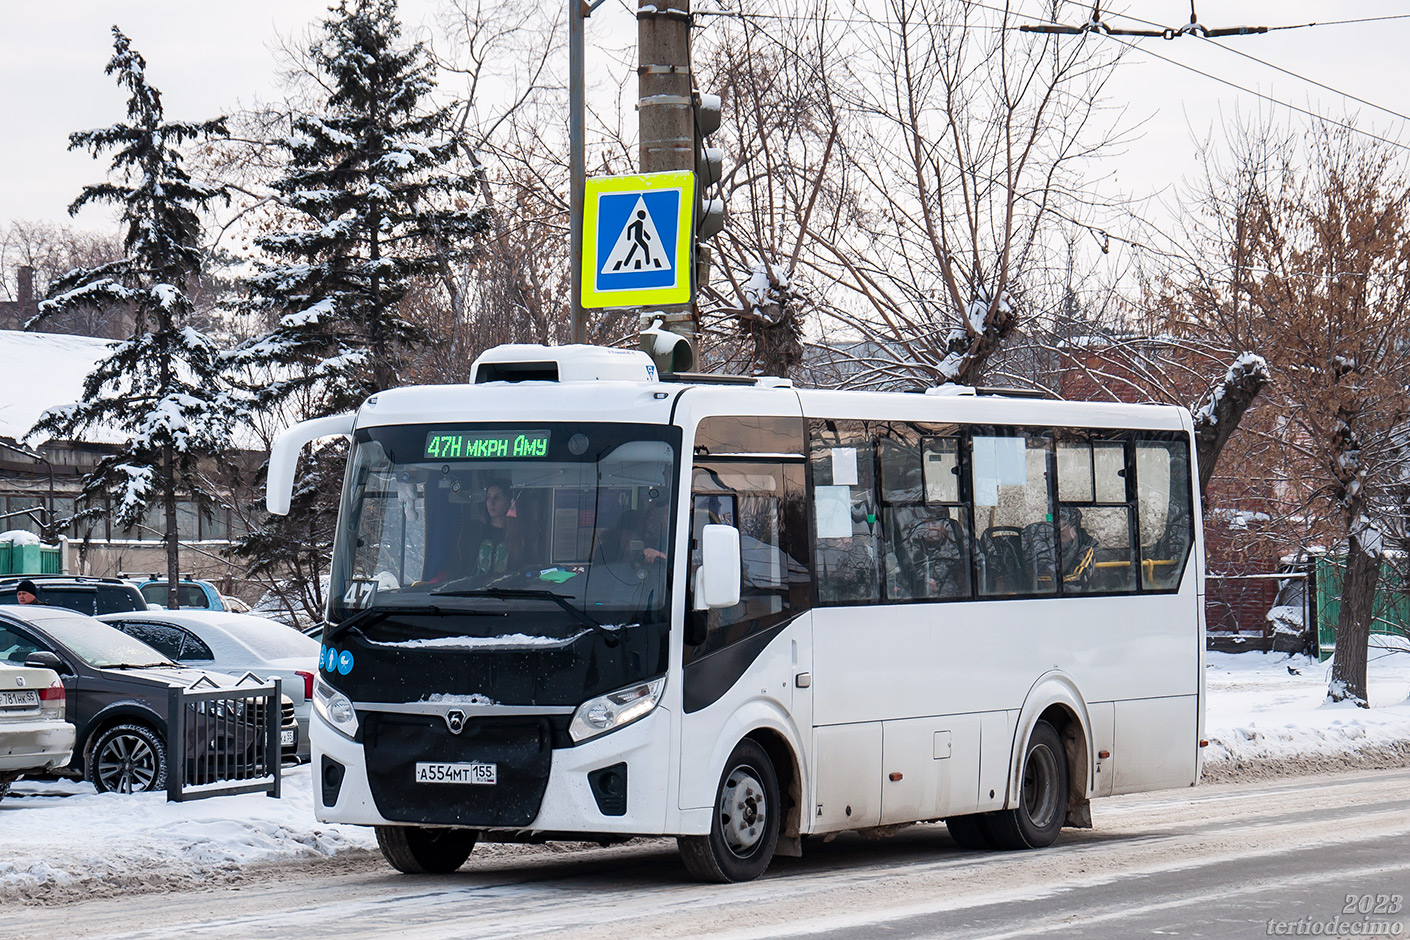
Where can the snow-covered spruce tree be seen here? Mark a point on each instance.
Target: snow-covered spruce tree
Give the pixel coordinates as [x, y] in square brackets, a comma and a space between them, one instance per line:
[369, 204]
[161, 386]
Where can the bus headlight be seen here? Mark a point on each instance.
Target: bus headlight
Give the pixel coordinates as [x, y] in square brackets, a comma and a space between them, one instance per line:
[615, 709]
[335, 708]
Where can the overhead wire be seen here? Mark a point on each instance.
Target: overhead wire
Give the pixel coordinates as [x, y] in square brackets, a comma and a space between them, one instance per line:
[1289, 72]
[1269, 98]
[1104, 236]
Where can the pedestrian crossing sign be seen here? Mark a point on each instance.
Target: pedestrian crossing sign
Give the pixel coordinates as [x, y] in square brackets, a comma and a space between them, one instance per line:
[636, 239]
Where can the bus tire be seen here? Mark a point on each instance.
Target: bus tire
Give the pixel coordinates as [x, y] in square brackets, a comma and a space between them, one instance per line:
[969, 832]
[417, 851]
[1042, 802]
[744, 831]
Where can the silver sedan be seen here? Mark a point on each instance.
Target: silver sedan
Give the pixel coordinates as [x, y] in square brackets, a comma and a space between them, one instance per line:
[34, 737]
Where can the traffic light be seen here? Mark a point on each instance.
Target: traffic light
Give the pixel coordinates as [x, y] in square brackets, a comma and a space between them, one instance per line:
[672, 352]
[709, 169]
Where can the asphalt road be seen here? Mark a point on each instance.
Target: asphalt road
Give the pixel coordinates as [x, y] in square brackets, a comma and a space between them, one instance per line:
[1315, 856]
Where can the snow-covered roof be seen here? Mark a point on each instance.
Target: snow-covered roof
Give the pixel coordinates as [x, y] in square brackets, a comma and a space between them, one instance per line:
[39, 371]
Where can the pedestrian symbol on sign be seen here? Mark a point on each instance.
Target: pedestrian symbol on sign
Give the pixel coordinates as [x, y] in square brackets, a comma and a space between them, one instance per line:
[639, 245]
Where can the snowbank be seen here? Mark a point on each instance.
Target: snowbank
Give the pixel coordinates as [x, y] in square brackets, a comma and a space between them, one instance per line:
[62, 837]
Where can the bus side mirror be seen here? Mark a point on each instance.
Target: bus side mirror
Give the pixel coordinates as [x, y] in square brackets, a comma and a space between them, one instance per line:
[717, 579]
[284, 457]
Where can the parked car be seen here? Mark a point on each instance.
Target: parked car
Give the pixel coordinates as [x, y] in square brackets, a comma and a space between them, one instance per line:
[117, 691]
[234, 604]
[233, 644]
[90, 596]
[34, 737]
[190, 594]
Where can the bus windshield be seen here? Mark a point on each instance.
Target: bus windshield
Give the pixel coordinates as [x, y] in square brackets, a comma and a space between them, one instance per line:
[499, 518]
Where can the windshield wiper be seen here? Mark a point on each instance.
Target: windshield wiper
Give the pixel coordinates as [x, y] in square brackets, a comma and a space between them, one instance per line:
[562, 600]
[137, 665]
[378, 612]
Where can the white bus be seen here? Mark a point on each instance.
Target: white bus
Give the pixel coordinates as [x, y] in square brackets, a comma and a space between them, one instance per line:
[577, 600]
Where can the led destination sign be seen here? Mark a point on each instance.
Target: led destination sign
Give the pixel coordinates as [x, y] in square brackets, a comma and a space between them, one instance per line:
[491, 445]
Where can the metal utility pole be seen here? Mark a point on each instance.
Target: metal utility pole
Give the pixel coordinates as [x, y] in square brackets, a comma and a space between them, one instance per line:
[666, 116]
[577, 107]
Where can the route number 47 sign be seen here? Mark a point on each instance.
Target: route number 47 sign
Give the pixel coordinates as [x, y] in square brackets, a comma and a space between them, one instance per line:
[636, 239]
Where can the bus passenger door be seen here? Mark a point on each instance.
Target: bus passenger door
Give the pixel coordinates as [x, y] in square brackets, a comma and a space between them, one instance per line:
[750, 656]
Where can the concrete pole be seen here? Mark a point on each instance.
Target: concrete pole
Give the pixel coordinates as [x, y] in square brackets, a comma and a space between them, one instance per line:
[577, 108]
[667, 119]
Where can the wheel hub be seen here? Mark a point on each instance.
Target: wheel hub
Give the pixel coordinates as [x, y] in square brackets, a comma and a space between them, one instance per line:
[743, 811]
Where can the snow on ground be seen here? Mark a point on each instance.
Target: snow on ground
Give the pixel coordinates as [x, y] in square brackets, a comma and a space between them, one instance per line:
[1266, 714]
[1269, 711]
[63, 834]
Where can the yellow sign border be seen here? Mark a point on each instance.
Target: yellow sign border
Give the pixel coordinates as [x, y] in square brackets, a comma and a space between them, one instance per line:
[678, 293]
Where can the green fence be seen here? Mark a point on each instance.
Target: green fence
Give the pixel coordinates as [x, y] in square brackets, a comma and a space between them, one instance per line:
[1391, 609]
[30, 559]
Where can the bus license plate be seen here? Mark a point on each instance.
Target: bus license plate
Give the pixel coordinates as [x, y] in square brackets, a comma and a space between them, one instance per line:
[21, 699]
[486, 774]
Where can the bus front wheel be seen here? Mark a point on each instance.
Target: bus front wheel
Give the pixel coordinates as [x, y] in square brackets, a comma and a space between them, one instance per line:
[417, 851]
[1042, 803]
[744, 830]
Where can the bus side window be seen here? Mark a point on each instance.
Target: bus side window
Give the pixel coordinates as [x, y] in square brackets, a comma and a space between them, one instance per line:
[754, 498]
[846, 555]
[1013, 512]
[1164, 520]
[1098, 556]
[925, 525]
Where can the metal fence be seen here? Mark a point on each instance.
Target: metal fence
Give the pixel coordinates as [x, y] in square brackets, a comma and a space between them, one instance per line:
[222, 741]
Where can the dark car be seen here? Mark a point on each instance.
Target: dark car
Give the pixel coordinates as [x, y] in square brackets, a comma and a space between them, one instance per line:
[91, 596]
[117, 692]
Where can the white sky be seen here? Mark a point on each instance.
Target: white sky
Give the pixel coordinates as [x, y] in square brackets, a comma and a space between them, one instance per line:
[209, 57]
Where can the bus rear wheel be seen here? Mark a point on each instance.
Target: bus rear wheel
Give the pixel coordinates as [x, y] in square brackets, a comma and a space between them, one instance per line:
[417, 851]
[744, 831]
[970, 832]
[1042, 803]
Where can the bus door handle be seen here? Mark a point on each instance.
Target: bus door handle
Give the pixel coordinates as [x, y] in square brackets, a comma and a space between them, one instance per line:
[803, 680]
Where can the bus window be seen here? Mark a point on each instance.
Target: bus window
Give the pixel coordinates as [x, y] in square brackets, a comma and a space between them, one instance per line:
[1013, 512]
[1095, 516]
[925, 526]
[1163, 485]
[846, 554]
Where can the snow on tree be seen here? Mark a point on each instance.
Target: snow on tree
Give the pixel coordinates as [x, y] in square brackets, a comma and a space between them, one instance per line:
[1218, 416]
[161, 386]
[368, 205]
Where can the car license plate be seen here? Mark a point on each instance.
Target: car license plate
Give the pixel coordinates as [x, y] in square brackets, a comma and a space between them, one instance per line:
[457, 773]
[19, 699]
[287, 738]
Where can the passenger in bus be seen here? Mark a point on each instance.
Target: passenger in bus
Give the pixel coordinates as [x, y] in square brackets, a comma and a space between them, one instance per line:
[937, 563]
[1076, 549]
[638, 538]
